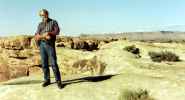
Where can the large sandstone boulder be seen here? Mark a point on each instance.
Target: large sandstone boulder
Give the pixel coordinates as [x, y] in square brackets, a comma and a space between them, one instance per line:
[92, 45]
[18, 63]
[85, 44]
[79, 44]
[4, 72]
[16, 72]
[7, 72]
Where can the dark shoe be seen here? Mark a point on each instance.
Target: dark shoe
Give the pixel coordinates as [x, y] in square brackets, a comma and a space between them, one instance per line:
[60, 85]
[46, 83]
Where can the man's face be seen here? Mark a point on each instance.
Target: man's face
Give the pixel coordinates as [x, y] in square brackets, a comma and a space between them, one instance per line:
[43, 15]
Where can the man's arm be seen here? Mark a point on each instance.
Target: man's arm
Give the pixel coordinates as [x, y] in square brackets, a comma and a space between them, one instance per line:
[56, 29]
[37, 34]
[38, 30]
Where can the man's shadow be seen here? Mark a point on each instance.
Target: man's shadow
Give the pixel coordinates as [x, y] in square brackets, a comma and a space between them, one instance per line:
[65, 82]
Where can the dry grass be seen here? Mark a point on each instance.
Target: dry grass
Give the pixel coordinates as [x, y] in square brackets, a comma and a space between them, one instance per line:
[133, 50]
[135, 95]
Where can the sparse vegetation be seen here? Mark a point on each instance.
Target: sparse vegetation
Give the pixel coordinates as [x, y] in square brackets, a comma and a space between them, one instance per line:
[135, 95]
[133, 50]
[163, 56]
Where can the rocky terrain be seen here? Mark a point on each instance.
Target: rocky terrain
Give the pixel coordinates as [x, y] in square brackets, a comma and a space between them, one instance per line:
[92, 69]
[21, 55]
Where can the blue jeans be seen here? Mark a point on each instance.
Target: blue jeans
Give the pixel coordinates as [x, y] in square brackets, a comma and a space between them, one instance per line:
[48, 52]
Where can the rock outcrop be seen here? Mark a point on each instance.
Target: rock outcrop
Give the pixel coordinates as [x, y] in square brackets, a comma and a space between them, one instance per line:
[4, 72]
[8, 72]
[80, 43]
[93, 65]
[16, 42]
[22, 56]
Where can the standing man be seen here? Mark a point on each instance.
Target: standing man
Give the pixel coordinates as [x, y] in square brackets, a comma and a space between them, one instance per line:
[45, 37]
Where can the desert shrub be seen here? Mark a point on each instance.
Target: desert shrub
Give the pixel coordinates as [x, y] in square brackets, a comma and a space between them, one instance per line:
[133, 49]
[135, 95]
[163, 56]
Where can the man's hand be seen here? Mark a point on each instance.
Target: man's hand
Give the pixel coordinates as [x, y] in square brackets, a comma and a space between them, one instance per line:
[37, 37]
[46, 36]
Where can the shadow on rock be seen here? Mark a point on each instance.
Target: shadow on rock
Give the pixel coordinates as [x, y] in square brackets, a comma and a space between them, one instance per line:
[88, 79]
[65, 82]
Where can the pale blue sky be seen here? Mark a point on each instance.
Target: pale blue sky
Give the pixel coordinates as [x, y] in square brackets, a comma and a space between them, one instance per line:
[93, 16]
